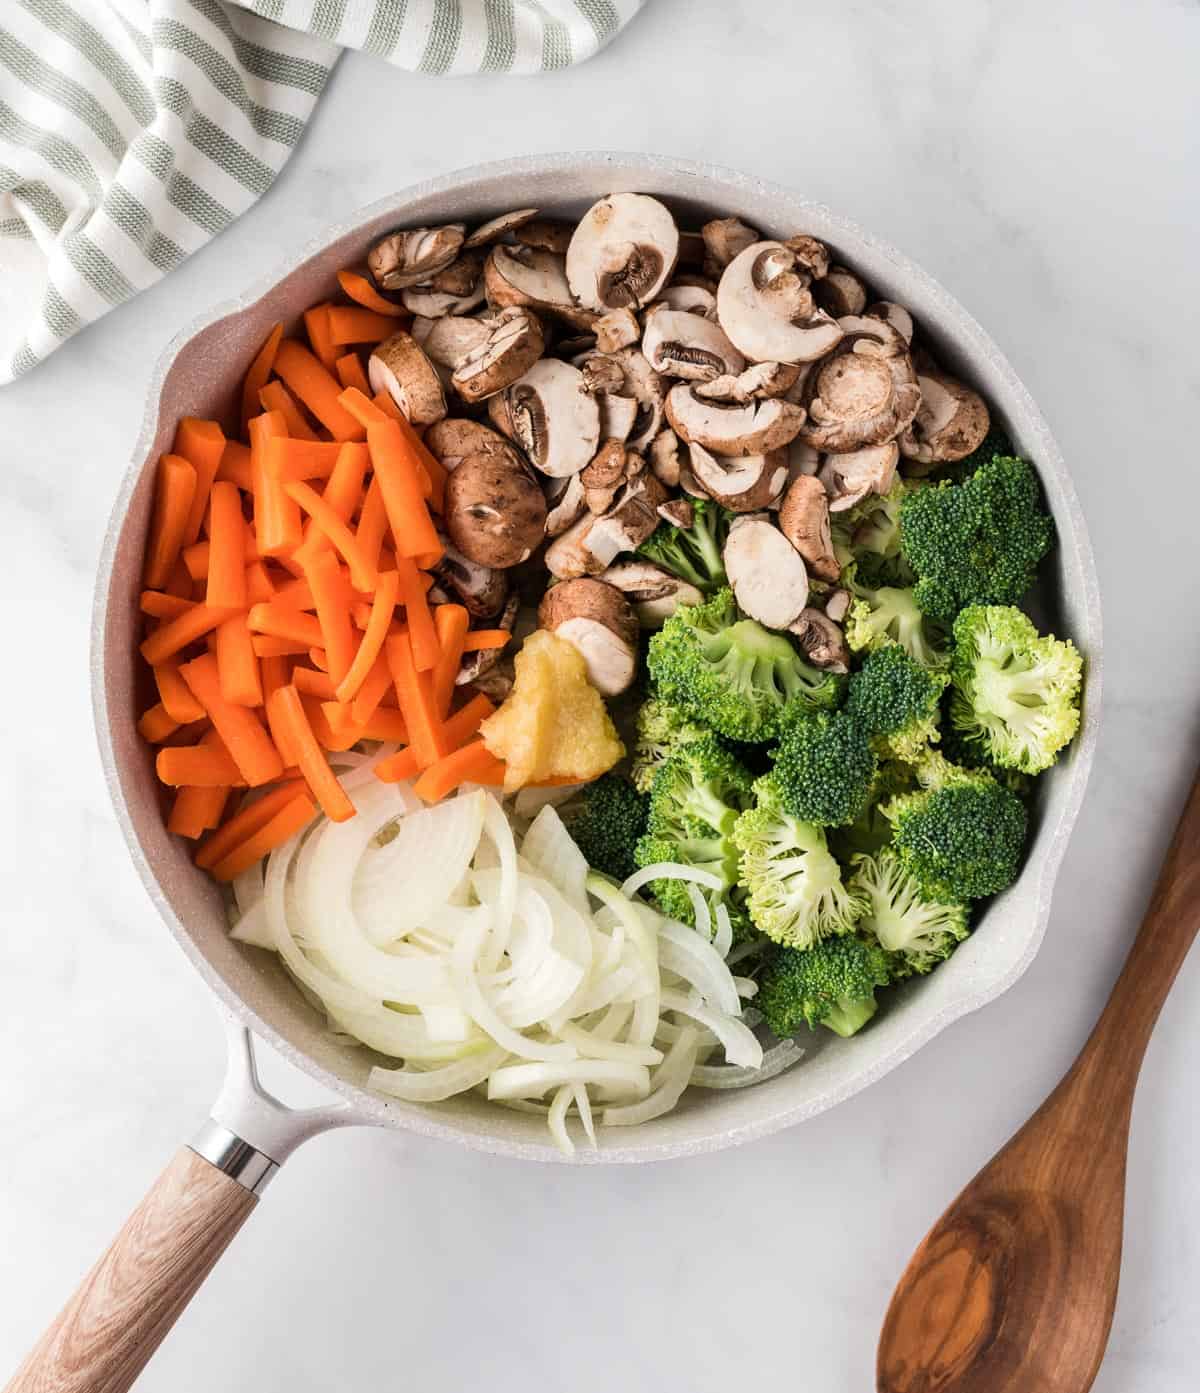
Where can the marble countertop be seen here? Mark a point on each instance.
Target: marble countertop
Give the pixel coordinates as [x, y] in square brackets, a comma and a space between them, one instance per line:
[1041, 161]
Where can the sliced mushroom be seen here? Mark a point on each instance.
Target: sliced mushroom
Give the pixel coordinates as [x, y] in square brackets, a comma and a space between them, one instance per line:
[449, 340]
[495, 510]
[603, 476]
[409, 258]
[550, 414]
[648, 389]
[567, 500]
[435, 304]
[679, 512]
[664, 458]
[476, 668]
[840, 292]
[768, 576]
[399, 367]
[597, 620]
[688, 299]
[812, 256]
[848, 478]
[822, 641]
[741, 483]
[725, 238]
[481, 588]
[546, 235]
[452, 440]
[622, 252]
[461, 276]
[751, 429]
[766, 308]
[895, 315]
[837, 604]
[526, 276]
[804, 521]
[618, 415]
[685, 345]
[617, 329]
[862, 393]
[655, 594]
[757, 381]
[692, 251]
[951, 422]
[592, 544]
[515, 342]
[495, 228]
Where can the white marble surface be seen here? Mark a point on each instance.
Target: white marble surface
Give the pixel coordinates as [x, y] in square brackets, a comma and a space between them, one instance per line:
[1041, 159]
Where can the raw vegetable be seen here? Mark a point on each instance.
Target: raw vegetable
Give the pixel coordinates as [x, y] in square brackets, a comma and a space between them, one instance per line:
[605, 823]
[824, 768]
[832, 984]
[918, 932]
[895, 700]
[692, 553]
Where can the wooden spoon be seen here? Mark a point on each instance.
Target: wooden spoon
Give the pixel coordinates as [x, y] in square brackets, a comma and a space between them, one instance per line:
[1013, 1290]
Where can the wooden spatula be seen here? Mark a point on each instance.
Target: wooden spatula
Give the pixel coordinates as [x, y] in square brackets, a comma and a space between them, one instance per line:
[1013, 1289]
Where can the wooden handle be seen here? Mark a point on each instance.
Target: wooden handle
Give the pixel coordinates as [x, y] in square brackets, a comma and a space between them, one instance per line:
[106, 1333]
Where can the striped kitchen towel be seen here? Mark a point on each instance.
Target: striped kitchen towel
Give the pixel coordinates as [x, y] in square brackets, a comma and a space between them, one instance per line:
[133, 131]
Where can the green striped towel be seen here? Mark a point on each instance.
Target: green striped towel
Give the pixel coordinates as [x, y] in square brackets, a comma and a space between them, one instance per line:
[133, 131]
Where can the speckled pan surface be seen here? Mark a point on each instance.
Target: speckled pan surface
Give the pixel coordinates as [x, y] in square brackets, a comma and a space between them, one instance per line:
[198, 375]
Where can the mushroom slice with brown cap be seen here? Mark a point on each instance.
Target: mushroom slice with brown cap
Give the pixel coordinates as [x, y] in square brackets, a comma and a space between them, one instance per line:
[740, 483]
[495, 510]
[822, 641]
[598, 621]
[751, 429]
[768, 576]
[951, 422]
[435, 304]
[757, 381]
[452, 440]
[679, 512]
[622, 252]
[812, 256]
[655, 594]
[617, 329]
[848, 478]
[862, 393]
[399, 367]
[724, 238]
[691, 299]
[895, 315]
[449, 340]
[766, 308]
[552, 417]
[409, 258]
[477, 667]
[664, 458]
[840, 292]
[514, 343]
[462, 276]
[567, 501]
[495, 228]
[837, 604]
[804, 521]
[679, 344]
[481, 588]
[526, 276]
[648, 389]
[593, 543]
[603, 476]
[546, 235]
[618, 415]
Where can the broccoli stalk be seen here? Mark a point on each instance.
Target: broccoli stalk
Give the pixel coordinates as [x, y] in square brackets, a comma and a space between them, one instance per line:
[692, 553]
[661, 728]
[896, 700]
[832, 984]
[824, 768]
[605, 823]
[869, 535]
[918, 932]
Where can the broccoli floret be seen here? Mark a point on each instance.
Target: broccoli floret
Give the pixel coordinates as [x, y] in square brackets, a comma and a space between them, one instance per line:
[869, 534]
[960, 834]
[732, 674]
[661, 727]
[896, 701]
[978, 542]
[692, 553]
[832, 984]
[1015, 693]
[918, 932]
[871, 830]
[605, 822]
[994, 443]
[959, 750]
[883, 614]
[793, 883]
[824, 767]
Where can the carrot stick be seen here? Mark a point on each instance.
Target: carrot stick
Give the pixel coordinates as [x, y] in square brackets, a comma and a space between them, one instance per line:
[427, 461]
[174, 490]
[316, 326]
[157, 724]
[319, 659]
[386, 403]
[383, 607]
[291, 716]
[180, 582]
[249, 744]
[384, 724]
[177, 633]
[317, 388]
[279, 621]
[372, 523]
[397, 767]
[396, 470]
[258, 373]
[195, 809]
[295, 594]
[473, 763]
[276, 517]
[173, 693]
[245, 822]
[237, 663]
[328, 738]
[301, 459]
[259, 586]
[362, 572]
[160, 606]
[343, 493]
[358, 288]
[331, 595]
[481, 639]
[458, 729]
[226, 549]
[360, 405]
[451, 622]
[421, 631]
[414, 690]
[202, 444]
[374, 688]
[350, 373]
[292, 818]
[235, 465]
[268, 646]
[313, 683]
[276, 397]
[196, 558]
[201, 765]
[353, 324]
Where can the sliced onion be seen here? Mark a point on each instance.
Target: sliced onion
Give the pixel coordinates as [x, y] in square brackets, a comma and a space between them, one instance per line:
[723, 938]
[436, 1085]
[741, 1044]
[700, 908]
[775, 1061]
[557, 1119]
[592, 1046]
[670, 870]
[548, 847]
[670, 1079]
[536, 1080]
[681, 950]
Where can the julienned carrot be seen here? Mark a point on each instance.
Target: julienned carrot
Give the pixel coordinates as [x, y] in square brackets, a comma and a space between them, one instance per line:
[180, 582]
[386, 403]
[280, 621]
[294, 593]
[452, 623]
[421, 631]
[249, 744]
[313, 683]
[174, 490]
[472, 763]
[311, 383]
[343, 493]
[259, 586]
[276, 397]
[226, 548]
[359, 405]
[375, 687]
[358, 288]
[384, 724]
[162, 606]
[235, 465]
[237, 663]
[362, 572]
[301, 459]
[276, 517]
[319, 659]
[293, 817]
[258, 373]
[177, 633]
[316, 326]
[245, 822]
[335, 741]
[201, 443]
[383, 607]
[276, 671]
[331, 595]
[372, 523]
[350, 373]
[480, 639]
[458, 729]
[196, 557]
[396, 470]
[290, 715]
[268, 646]
[157, 724]
[201, 765]
[196, 809]
[432, 469]
[173, 693]
[414, 691]
[353, 324]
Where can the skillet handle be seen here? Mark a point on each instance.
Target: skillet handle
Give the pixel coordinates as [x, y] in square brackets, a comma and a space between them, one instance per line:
[123, 1308]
